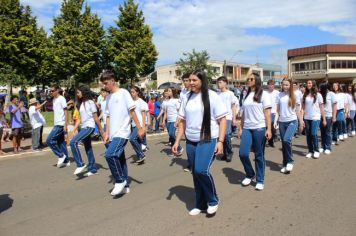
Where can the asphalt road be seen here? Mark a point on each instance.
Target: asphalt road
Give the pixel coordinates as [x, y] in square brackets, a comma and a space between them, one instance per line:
[317, 198]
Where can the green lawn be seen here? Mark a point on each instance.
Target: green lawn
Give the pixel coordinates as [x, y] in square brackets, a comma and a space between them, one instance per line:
[48, 115]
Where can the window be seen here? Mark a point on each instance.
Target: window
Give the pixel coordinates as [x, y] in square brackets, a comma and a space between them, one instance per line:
[343, 64]
[349, 64]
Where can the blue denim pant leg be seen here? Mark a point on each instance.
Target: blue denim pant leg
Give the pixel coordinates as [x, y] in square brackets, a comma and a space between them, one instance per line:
[274, 133]
[136, 143]
[311, 129]
[201, 156]
[350, 125]
[56, 142]
[80, 136]
[172, 134]
[227, 140]
[115, 157]
[326, 134]
[255, 138]
[90, 154]
[287, 131]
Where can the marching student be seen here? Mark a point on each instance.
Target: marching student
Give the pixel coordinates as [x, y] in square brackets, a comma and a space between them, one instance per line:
[287, 116]
[102, 103]
[140, 110]
[171, 107]
[89, 118]
[330, 108]
[274, 95]
[56, 139]
[350, 116]
[229, 101]
[255, 129]
[339, 125]
[313, 112]
[120, 109]
[202, 119]
[37, 122]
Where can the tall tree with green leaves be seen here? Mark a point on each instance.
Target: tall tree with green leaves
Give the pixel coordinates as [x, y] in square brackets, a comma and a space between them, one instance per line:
[131, 50]
[78, 43]
[194, 60]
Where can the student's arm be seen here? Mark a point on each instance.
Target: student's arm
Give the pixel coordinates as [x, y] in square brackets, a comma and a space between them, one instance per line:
[275, 125]
[180, 132]
[241, 125]
[65, 128]
[133, 115]
[107, 132]
[301, 121]
[267, 113]
[222, 129]
[322, 111]
[143, 113]
[234, 112]
[13, 111]
[164, 118]
[334, 110]
[76, 125]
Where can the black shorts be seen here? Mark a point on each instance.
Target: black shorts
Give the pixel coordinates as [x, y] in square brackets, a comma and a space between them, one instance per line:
[1, 132]
[17, 132]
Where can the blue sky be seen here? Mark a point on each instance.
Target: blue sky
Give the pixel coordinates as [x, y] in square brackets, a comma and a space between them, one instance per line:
[244, 31]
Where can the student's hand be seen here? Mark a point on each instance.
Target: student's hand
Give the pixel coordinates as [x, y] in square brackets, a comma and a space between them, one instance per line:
[219, 148]
[175, 148]
[65, 129]
[106, 137]
[239, 134]
[268, 134]
[234, 122]
[20, 104]
[275, 125]
[324, 122]
[301, 126]
[334, 119]
[163, 124]
[140, 133]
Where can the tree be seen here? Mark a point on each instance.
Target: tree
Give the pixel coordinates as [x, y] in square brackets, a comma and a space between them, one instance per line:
[130, 48]
[78, 43]
[196, 60]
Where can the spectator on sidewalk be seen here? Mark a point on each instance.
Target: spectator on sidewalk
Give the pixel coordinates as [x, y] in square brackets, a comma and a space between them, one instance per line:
[37, 122]
[16, 122]
[2, 115]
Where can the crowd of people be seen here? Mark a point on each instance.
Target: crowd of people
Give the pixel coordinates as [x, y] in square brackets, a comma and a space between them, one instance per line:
[206, 118]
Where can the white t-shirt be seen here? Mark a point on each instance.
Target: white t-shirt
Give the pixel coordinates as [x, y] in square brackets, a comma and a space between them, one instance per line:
[141, 106]
[340, 98]
[228, 98]
[253, 112]
[274, 96]
[330, 101]
[286, 113]
[86, 113]
[118, 107]
[351, 102]
[59, 104]
[183, 95]
[192, 112]
[311, 109]
[102, 107]
[36, 118]
[171, 106]
[298, 96]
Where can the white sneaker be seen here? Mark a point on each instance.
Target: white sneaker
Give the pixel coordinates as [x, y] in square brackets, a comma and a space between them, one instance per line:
[194, 212]
[259, 186]
[80, 170]
[289, 167]
[143, 147]
[212, 209]
[309, 155]
[341, 137]
[345, 136]
[283, 170]
[88, 174]
[321, 150]
[316, 155]
[126, 190]
[180, 152]
[246, 181]
[353, 133]
[61, 160]
[333, 143]
[327, 152]
[118, 188]
[64, 165]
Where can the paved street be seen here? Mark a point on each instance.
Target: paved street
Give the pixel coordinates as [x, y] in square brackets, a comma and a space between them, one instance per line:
[318, 198]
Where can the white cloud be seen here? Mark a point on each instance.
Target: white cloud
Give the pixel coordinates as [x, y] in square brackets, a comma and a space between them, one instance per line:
[345, 30]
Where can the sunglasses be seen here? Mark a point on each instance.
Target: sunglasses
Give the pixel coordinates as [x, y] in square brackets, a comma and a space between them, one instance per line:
[250, 79]
[52, 91]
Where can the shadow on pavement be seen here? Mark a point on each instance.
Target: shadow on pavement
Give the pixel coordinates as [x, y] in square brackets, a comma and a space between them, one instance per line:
[184, 194]
[273, 166]
[233, 176]
[5, 202]
[179, 161]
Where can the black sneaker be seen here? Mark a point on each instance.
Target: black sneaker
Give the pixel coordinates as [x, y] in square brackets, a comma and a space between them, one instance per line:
[229, 157]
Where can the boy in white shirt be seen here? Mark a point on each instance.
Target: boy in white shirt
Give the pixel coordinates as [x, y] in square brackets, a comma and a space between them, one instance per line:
[120, 109]
[37, 122]
[274, 95]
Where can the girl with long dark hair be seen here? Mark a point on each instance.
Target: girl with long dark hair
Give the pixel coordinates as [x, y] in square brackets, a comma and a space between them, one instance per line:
[287, 116]
[255, 129]
[202, 119]
[140, 110]
[329, 98]
[89, 117]
[341, 106]
[313, 111]
[350, 116]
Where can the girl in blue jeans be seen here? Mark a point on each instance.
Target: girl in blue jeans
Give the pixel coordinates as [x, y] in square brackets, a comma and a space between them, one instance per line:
[256, 127]
[89, 117]
[287, 116]
[202, 119]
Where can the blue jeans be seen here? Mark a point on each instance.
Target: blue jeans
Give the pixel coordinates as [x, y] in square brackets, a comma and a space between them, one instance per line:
[271, 141]
[136, 143]
[338, 128]
[287, 131]
[115, 156]
[172, 134]
[200, 157]
[156, 124]
[326, 134]
[57, 142]
[311, 131]
[255, 138]
[350, 123]
[83, 135]
[227, 141]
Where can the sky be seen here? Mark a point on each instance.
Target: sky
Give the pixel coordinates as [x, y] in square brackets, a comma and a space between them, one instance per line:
[243, 31]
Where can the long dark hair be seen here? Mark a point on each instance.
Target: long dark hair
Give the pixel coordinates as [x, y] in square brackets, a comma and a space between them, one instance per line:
[313, 91]
[258, 88]
[87, 94]
[138, 91]
[205, 132]
[353, 92]
[324, 89]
